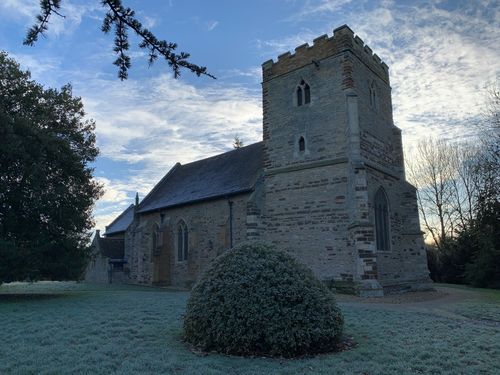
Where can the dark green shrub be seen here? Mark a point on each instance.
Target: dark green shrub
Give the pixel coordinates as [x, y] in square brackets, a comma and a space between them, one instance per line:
[256, 300]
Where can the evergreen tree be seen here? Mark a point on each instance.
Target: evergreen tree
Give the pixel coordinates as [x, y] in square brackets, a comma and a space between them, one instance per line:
[46, 186]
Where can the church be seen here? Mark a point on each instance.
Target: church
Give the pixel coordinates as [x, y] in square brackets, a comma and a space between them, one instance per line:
[326, 184]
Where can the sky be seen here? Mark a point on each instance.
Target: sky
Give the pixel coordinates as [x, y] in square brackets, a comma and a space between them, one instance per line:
[441, 55]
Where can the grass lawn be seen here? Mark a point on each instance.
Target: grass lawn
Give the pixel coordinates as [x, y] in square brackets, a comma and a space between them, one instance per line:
[90, 329]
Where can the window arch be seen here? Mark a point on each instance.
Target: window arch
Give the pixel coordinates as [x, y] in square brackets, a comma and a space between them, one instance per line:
[182, 242]
[381, 207]
[303, 93]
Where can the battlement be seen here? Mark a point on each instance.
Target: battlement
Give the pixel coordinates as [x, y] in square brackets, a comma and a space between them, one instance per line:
[343, 39]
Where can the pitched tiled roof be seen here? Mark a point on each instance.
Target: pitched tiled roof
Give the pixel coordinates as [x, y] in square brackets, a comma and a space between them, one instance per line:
[122, 222]
[113, 248]
[230, 173]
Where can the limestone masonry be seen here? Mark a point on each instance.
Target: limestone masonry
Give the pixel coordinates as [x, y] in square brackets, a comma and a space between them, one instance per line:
[327, 184]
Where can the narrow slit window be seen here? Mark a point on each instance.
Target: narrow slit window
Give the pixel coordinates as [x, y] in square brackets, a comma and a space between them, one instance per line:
[373, 97]
[182, 242]
[307, 94]
[299, 96]
[382, 220]
[302, 144]
[156, 238]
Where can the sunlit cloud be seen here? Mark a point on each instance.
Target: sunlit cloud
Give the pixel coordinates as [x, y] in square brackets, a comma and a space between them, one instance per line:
[440, 58]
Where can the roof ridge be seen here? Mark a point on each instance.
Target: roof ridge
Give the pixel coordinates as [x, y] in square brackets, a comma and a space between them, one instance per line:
[231, 172]
[169, 173]
[223, 153]
[119, 216]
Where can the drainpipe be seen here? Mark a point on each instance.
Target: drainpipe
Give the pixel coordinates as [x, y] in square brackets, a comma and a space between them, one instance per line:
[230, 223]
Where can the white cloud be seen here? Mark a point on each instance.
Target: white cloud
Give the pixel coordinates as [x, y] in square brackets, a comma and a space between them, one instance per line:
[274, 47]
[440, 55]
[72, 14]
[37, 66]
[149, 22]
[212, 25]
[113, 193]
[152, 124]
[313, 8]
[21, 8]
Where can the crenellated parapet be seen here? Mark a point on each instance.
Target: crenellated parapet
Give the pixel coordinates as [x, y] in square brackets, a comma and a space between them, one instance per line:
[343, 39]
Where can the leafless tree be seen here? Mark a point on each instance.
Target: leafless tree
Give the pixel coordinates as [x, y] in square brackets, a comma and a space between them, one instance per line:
[448, 180]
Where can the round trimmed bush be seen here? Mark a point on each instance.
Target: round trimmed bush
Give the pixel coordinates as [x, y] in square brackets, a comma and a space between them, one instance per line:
[256, 300]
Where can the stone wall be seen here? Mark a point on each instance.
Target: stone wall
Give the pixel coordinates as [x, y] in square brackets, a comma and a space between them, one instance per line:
[406, 262]
[97, 269]
[306, 215]
[208, 234]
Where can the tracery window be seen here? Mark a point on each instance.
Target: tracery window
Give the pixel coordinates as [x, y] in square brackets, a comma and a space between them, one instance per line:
[303, 93]
[381, 207]
[182, 242]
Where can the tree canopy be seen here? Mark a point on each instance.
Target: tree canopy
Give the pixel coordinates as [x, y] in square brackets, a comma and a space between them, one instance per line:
[46, 186]
[122, 19]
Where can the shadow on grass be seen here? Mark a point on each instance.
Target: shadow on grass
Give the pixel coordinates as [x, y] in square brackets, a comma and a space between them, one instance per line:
[19, 297]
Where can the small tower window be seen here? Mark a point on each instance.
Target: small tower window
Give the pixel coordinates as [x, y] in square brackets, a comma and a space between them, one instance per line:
[307, 94]
[302, 144]
[303, 93]
[299, 96]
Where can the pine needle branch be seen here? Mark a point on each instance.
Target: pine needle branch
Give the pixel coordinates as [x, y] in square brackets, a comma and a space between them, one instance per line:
[121, 19]
[47, 7]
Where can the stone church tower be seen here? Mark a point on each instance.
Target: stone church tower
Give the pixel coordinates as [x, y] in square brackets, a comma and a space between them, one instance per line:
[334, 191]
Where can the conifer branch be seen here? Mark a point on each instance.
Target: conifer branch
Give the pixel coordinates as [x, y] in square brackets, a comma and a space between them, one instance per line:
[121, 19]
[47, 7]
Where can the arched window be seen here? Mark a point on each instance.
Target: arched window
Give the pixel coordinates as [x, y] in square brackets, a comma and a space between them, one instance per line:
[381, 207]
[182, 242]
[303, 93]
[307, 94]
[299, 96]
[302, 144]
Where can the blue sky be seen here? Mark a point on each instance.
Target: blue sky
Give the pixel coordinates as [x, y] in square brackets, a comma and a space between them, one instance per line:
[441, 54]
